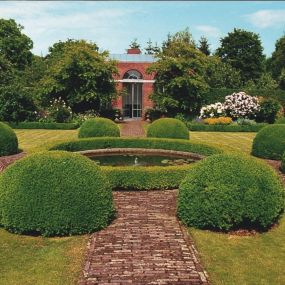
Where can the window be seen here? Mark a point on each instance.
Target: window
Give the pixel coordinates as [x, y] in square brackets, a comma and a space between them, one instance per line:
[132, 74]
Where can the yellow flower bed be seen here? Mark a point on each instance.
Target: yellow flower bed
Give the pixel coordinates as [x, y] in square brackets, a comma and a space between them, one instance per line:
[218, 121]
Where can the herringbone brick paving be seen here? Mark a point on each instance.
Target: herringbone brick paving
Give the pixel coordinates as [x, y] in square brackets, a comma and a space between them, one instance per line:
[132, 129]
[144, 245]
[7, 160]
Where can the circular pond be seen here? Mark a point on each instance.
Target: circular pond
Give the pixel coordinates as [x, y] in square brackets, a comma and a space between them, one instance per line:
[140, 157]
[140, 160]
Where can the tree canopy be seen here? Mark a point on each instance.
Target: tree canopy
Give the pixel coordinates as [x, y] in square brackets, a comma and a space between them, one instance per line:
[79, 74]
[179, 74]
[204, 46]
[277, 61]
[14, 45]
[222, 75]
[243, 51]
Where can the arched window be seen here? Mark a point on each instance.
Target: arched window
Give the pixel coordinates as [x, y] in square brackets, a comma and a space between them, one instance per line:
[132, 74]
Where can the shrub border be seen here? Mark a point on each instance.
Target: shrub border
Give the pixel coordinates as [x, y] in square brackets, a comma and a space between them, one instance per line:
[41, 125]
[226, 128]
[146, 178]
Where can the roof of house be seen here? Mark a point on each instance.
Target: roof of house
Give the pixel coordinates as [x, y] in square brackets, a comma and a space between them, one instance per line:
[133, 57]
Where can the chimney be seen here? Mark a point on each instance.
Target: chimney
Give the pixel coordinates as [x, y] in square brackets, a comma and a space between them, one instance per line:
[133, 51]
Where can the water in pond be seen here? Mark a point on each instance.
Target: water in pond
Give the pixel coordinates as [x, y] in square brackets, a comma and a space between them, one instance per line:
[140, 160]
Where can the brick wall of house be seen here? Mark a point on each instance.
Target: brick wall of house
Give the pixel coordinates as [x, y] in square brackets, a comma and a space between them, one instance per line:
[147, 88]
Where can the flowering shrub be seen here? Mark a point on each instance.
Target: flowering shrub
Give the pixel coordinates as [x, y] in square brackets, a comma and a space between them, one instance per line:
[82, 117]
[58, 112]
[218, 121]
[212, 111]
[241, 105]
[245, 122]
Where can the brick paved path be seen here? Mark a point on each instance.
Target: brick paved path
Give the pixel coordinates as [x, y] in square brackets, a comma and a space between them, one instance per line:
[144, 245]
[132, 129]
[7, 160]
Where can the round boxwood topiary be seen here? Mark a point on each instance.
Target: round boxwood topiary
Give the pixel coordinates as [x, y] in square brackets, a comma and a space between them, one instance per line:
[168, 128]
[227, 191]
[8, 140]
[55, 193]
[270, 142]
[99, 127]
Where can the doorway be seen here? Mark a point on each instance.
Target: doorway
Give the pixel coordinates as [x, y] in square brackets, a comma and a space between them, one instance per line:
[132, 100]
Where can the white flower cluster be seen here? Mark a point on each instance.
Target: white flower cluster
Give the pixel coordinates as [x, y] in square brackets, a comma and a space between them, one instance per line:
[59, 103]
[241, 105]
[212, 111]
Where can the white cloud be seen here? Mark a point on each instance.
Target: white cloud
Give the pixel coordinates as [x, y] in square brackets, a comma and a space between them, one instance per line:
[209, 31]
[266, 18]
[48, 22]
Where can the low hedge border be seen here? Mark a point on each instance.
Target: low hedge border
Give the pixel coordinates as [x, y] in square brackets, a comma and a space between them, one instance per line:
[40, 125]
[155, 143]
[225, 128]
[141, 178]
[146, 178]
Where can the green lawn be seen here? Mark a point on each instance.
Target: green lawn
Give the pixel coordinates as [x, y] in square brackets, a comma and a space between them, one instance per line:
[36, 140]
[228, 259]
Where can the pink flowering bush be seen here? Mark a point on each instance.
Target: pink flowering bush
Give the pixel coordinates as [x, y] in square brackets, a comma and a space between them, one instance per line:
[237, 105]
[241, 105]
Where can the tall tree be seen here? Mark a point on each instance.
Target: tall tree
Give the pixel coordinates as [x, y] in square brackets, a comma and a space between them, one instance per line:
[152, 49]
[79, 74]
[179, 75]
[204, 46]
[14, 45]
[243, 51]
[277, 61]
[221, 75]
[149, 47]
[7, 73]
[135, 44]
[183, 36]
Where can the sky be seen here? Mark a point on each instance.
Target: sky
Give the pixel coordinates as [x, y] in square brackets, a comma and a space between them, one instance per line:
[112, 25]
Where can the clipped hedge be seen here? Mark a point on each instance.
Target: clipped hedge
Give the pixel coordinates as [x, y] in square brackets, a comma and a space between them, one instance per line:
[146, 178]
[168, 128]
[41, 125]
[99, 127]
[270, 142]
[55, 193]
[225, 128]
[227, 192]
[155, 143]
[141, 178]
[8, 140]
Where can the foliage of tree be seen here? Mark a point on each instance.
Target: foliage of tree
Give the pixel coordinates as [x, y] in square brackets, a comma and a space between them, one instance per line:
[183, 36]
[204, 46]
[179, 75]
[34, 72]
[16, 104]
[135, 44]
[243, 51]
[277, 61]
[281, 79]
[79, 74]
[265, 82]
[7, 73]
[222, 75]
[14, 45]
[151, 49]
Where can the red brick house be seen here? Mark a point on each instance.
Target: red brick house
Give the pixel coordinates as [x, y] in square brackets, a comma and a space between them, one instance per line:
[134, 82]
